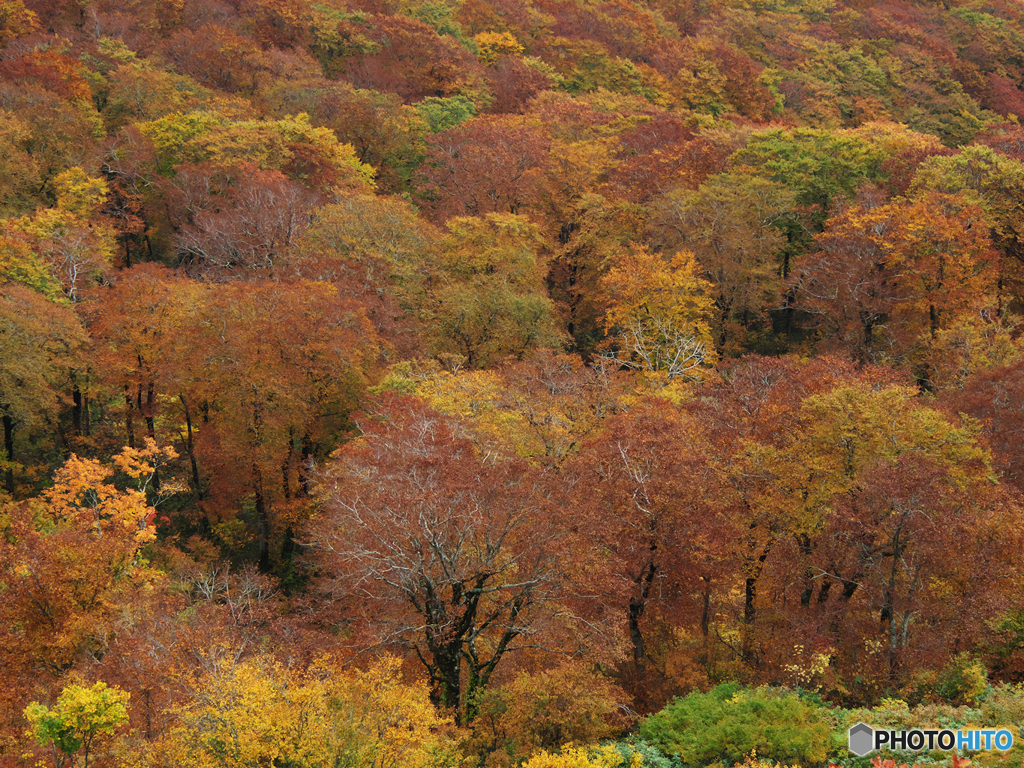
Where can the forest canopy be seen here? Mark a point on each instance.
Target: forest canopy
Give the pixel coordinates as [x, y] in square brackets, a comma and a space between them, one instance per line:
[491, 383]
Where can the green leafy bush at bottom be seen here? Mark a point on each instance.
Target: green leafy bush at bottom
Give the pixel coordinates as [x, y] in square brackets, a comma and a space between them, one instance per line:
[728, 722]
[650, 755]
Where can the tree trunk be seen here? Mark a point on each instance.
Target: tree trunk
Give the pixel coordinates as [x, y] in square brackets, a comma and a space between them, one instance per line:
[637, 606]
[262, 514]
[76, 409]
[151, 426]
[263, 519]
[446, 692]
[190, 448]
[9, 450]
[129, 417]
[749, 602]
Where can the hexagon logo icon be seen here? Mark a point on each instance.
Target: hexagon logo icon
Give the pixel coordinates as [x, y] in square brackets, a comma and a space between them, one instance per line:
[861, 739]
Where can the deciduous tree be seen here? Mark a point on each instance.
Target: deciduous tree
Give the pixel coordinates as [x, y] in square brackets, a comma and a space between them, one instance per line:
[490, 300]
[71, 557]
[731, 225]
[889, 277]
[653, 515]
[486, 165]
[78, 718]
[436, 545]
[42, 341]
[658, 321]
[243, 712]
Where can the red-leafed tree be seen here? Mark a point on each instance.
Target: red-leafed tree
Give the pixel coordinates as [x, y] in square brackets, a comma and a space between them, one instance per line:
[410, 58]
[660, 154]
[996, 398]
[888, 277]
[137, 325]
[485, 165]
[654, 512]
[129, 166]
[263, 216]
[431, 544]
[513, 84]
[217, 57]
[757, 403]
[251, 378]
[277, 367]
[50, 71]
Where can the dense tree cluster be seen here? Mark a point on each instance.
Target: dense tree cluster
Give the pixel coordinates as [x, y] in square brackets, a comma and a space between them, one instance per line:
[441, 382]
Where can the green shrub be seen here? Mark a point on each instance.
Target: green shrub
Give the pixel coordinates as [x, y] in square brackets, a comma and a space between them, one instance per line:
[963, 681]
[1003, 707]
[650, 755]
[1004, 704]
[728, 722]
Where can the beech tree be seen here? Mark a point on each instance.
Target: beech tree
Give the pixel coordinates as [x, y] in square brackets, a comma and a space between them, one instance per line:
[490, 300]
[40, 343]
[408, 57]
[873, 490]
[653, 510]
[277, 372]
[729, 225]
[383, 132]
[888, 277]
[658, 319]
[378, 251]
[69, 561]
[263, 216]
[138, 326]
[485, 165]
[757, 403]
[432, 544]
[256, 711]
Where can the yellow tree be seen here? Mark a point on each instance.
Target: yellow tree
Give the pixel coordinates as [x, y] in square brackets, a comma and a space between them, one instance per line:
[306, 153]
[15, 20]
[20, 264]
[731, 223]
[659, 321]
[243, 714]
[76, 249]
[540, 408]
[78, 718]
[493, 45]
[861, 501]
[19, 171]
[490, 302]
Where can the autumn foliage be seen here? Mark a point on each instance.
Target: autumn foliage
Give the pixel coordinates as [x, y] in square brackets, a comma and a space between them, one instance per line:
[427, 383]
